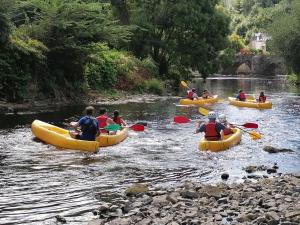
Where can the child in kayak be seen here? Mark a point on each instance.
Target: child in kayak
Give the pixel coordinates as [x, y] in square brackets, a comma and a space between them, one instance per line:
[223, 120]
[118, 120]
[241, 96]
[262, 97]
[103, 121]
[192, 94]
[212, 128]
[206, 94]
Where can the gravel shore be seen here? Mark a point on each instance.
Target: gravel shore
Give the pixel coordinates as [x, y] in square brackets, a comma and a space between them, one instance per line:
[265, 201]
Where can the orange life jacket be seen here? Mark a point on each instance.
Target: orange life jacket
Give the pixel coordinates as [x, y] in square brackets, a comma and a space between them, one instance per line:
[211, 132]
[102, 123]
[190, 95]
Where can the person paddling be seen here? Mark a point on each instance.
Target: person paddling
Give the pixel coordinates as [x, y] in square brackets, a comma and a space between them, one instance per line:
[206, 94]
[212, 128]
[192, 94]
[118, 119]
[103, 120]
[241, 96]
[223, 120]
[262, 97]
[87, 127]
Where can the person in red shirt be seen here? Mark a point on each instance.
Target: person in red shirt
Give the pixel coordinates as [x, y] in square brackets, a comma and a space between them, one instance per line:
[262, 97]
[118, 119]
[192, 94]
[241, 96]
[103, 120]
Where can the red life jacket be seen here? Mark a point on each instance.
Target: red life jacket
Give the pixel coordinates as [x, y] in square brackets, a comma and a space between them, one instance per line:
[190, 95]
[117, 120]
[242, 96]
[211, 132]
[102, 122]
[262, 98]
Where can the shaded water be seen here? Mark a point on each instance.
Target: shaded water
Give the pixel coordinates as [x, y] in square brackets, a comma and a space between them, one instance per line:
[37, 181]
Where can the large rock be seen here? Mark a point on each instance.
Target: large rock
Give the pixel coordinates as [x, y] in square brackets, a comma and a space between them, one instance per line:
[271, 149]
[136, 189]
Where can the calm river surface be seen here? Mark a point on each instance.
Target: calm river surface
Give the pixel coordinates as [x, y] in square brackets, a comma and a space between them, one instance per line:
[38, 181]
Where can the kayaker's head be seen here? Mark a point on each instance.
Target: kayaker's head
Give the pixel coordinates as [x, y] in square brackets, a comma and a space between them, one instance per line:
[205, 91]
[212, 115]
[240, 91]
[193, 89]
[102, 111]
[222, 118]
[89, 110]
[262, 93]
[116, 113]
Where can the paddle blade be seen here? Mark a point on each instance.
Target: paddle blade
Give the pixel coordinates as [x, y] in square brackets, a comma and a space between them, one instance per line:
[203, 111]
[250, 125]
[254, 135]
[137, 127]
[183, 84]
[181, 119]
[112, 127]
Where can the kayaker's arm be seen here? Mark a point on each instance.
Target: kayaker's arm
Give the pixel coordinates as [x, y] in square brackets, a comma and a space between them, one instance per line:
[200, 127]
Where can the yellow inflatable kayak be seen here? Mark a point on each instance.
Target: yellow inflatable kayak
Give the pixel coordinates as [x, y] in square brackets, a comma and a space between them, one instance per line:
[199, 101]
[60, 137]
[227, 142]
[108, 140]
[250, 103]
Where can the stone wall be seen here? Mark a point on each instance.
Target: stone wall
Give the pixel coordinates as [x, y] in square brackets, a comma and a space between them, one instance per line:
[260, 65]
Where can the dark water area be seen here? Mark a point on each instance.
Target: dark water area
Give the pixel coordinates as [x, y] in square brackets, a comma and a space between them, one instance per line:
[39, 181]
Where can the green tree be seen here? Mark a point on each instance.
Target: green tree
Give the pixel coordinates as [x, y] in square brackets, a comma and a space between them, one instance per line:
[286, 39]
[179, 35]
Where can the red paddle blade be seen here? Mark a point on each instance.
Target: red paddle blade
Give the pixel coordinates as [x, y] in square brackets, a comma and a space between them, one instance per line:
[250, 125]
[137, 127]
[181, 119]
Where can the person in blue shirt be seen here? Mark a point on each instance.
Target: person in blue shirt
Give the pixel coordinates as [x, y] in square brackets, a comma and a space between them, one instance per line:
[87, 127]
[212, 129]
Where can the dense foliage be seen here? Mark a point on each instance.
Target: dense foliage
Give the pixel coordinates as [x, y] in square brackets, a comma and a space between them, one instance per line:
[182, 35]
[286, 40]
[60, 48]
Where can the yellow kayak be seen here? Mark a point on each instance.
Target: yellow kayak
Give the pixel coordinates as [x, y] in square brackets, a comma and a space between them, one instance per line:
[250, 103]
[200, 101]
[227, 142]
[60, 137]
[108, 140]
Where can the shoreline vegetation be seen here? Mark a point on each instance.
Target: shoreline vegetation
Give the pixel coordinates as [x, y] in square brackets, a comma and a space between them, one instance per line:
[265, 201]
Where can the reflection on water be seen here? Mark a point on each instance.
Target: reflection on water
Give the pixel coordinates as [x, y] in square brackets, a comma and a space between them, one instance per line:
[38, 182]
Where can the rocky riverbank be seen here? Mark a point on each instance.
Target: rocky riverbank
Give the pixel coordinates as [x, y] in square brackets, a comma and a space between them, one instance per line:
[264, 201]
[50, 104]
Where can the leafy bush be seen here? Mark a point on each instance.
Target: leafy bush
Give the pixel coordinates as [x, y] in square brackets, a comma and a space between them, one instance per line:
[150, 66]
[154, 86]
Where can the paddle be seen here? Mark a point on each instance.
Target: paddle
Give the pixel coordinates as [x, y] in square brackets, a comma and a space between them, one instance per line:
[181, 119]
[115, 127]
[247, 125]
[184, 84]
[253, 134]
[203, 111]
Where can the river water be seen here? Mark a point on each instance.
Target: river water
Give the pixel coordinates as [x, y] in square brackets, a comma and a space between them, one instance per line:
[38, 181]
